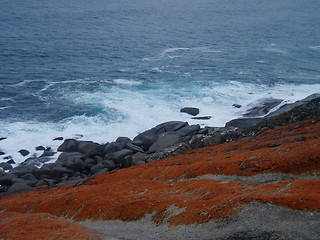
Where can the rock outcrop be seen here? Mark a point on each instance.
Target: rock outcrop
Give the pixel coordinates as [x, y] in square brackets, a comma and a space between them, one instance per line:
[264, 186]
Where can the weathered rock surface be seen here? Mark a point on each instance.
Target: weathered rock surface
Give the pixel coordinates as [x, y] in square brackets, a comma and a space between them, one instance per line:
[260, 187]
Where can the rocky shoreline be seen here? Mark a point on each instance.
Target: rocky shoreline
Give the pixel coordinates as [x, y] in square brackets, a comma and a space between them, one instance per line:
[81, 160]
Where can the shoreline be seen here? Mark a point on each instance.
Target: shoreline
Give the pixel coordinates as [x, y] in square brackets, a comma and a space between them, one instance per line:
[80, 160]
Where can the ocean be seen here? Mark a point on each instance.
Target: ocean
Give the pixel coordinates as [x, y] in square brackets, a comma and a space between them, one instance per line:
[99, 69]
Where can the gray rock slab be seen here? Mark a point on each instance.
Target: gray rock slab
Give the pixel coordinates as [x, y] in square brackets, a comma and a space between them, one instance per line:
[164, 141]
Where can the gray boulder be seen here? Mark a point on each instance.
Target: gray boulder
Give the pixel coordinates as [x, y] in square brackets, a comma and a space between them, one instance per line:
[58, 171]
[18, 188]
[22, 170]
[164, 141]
[109, 164]
[112, 147]
[66, 157]
[123, 141]
[69, 145]
[43, 172]
[134, 147]
[30, 179]
[118, 156]
[87, 147]
[75, 165]
[138, 158]
[96, 168]
[188, 130]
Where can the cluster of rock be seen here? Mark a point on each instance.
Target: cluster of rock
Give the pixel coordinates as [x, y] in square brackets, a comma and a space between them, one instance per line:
[80, 160]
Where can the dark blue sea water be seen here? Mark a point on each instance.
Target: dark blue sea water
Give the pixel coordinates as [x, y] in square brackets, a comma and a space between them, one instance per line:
[109, 68]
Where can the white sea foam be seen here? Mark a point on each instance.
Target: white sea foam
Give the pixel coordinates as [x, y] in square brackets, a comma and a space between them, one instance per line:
[128, 82]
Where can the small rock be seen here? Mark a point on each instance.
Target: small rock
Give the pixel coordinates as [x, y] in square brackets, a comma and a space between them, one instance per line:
[58, 139]
[2, 153]
[190, 110]
[40, 148]
[202, 118]
[24, 152]
[2, 138]
[236, 105]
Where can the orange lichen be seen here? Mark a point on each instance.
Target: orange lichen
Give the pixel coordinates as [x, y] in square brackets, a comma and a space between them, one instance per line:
[29, 226]
[132, 193]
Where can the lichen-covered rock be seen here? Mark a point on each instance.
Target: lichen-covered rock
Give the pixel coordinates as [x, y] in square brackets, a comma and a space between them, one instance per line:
[272, 178]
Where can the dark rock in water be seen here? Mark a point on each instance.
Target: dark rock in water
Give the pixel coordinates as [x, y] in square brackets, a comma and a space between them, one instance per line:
[190, 110]
[236, 105]
[11, 161]
[164, 141]
[261, 107]
[123, 141]
[112, 147]
[22, 170]
[2, 153]
[24, 152]
[243, 122]
[5, 166]
[58, 172]
[69, 145]
[40, 148]
[134, 148]
[202, 118]
[2, 138]
[18, 188]
[58, 139]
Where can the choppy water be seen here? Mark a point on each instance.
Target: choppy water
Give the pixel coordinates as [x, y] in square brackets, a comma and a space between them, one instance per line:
[113, 68]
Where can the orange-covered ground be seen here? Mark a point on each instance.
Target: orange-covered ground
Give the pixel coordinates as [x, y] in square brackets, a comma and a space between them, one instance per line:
[182, 189]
